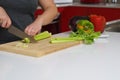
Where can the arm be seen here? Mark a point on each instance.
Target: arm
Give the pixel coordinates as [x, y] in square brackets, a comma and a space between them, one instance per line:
[5, 20]
[50, 12]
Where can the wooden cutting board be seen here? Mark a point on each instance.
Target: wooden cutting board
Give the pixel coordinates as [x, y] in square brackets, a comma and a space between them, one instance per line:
[38, 49]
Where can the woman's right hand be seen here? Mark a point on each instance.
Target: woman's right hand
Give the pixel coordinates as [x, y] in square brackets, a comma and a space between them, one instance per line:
[5, 20]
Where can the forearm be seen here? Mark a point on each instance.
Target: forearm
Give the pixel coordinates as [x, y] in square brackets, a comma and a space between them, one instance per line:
[48, 15]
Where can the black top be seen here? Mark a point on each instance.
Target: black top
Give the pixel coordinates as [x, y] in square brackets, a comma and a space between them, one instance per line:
[21, 12]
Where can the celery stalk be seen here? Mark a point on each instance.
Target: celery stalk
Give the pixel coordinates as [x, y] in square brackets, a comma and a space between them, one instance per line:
[42, 35]
[66, 39]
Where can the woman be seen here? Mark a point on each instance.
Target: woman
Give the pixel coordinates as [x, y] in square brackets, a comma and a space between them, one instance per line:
[20, 13]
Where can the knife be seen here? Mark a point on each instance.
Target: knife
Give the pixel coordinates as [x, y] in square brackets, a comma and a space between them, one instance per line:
[17, 32]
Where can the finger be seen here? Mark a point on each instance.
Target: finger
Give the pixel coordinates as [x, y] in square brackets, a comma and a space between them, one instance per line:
[4, 23]
[33, 32]
[8, 24]
[28, 30]
[0, 21]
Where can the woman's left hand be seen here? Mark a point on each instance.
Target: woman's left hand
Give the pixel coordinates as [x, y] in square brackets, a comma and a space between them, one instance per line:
[33, 29]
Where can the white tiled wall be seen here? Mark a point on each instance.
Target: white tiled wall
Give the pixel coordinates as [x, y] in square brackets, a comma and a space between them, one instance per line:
[63, 1]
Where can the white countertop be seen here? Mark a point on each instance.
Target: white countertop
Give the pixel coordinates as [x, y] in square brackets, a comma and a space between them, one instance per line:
[99, 61]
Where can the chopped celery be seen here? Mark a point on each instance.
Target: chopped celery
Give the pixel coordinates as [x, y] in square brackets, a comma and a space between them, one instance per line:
[42, 35]
[26, 40]
[38, 37]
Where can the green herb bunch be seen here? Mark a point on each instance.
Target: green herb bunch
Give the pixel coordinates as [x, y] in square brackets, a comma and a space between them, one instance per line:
[85, 31]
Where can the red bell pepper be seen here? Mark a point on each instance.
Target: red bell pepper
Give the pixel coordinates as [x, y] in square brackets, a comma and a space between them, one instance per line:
[99, 22]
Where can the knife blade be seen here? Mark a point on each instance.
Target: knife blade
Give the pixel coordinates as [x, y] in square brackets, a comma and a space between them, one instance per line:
[17, 32]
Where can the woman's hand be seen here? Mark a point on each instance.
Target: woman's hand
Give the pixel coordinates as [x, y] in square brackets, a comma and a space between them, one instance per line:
[33, 28]
[5, 20]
